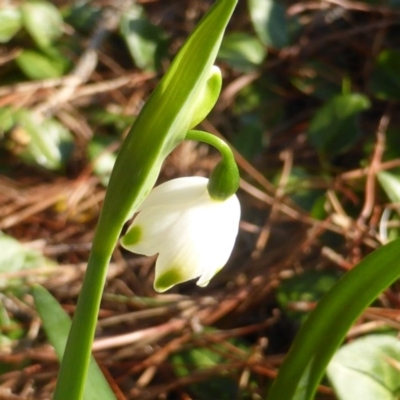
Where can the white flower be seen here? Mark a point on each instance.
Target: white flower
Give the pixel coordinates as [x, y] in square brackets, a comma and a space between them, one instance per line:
[192, 233]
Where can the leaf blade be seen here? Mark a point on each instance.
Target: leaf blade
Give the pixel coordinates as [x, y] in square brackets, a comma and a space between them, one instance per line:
[327, 325]
[56, 323]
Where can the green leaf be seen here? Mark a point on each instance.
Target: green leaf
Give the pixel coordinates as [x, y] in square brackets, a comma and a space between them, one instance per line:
[385, 79]
[390, 184]
[43, 21]
[15, 257]
[143, 39]
[36, 65]
[334, 129]
[242, 51]
[326, 327]
[56, 324]
[269, 21]
[364, 369]
[49, 144]
[10, 23]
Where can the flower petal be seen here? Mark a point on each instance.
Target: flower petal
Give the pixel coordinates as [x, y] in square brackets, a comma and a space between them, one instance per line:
[193, 234]
[177, 191]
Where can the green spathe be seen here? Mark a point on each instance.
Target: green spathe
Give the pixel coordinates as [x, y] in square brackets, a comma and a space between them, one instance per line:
[172, 109]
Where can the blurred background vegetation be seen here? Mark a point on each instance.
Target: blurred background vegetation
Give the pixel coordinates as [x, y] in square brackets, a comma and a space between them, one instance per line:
[310, 104]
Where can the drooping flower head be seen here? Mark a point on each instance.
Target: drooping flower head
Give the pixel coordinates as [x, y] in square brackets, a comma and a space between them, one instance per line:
[192, 233]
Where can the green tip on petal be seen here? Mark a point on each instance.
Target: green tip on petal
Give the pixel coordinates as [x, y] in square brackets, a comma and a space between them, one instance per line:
[168, 279]
[132, 237]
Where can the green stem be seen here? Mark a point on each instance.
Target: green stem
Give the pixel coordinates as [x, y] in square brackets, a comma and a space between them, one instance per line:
[224, 179]
[75, 363]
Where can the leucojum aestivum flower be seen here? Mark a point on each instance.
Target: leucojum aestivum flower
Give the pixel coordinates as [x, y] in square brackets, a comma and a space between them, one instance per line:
[200, 215]
[193, 233]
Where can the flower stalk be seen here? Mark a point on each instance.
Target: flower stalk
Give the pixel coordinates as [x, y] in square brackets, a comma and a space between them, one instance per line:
[186, 93]
[224, 179]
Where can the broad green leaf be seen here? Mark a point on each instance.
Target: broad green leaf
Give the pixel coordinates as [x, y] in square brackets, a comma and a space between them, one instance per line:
[385, 79]
[10, 23]
[326, 326]
[143, 39]
[269, 21]
[36, 65]
[56, 324]
[390, 184]
[242, 51]
[48, 143]
[366, 369]
[15, 257]
[43, 21]
[334, 129]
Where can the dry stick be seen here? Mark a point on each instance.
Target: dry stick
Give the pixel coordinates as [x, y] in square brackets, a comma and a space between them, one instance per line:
[31, 86]
[374, 168]
[52, 197]
[358, 6]
[313, 46]
[158, 357]
[360, 172]
[290, 212]
[348, 5]
[298, 8]
[138, 336]
[264, 235]
[369, 202]
[310, 47]
[151, 363]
